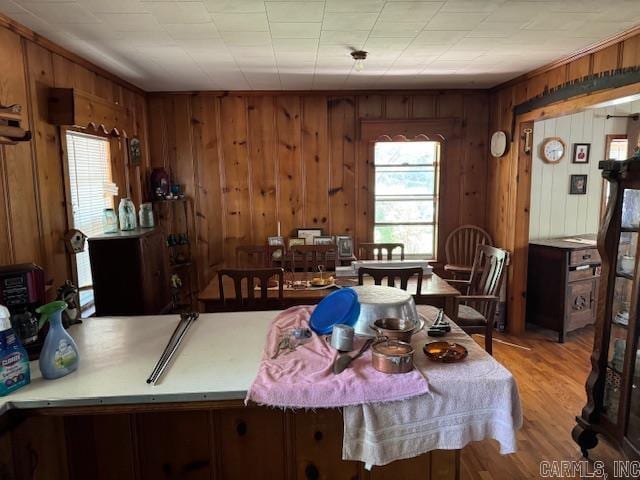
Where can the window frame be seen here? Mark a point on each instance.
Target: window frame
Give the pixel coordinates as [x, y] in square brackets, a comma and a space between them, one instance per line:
[68, 199]
[434, 198]
[609, 138]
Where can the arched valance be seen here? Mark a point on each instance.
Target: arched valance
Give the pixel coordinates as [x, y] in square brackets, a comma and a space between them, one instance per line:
[430, 129]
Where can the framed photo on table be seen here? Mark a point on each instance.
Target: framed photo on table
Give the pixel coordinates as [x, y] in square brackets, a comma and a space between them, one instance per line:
[581, 152]
[308, 234]
[323, 240]
[296, 241]
[276, 241]
[345, 246]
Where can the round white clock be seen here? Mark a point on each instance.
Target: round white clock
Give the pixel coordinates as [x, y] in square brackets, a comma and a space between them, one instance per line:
[553, 149]
[498, 143]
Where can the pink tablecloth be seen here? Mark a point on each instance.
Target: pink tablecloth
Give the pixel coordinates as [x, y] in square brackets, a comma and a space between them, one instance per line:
[305, 379]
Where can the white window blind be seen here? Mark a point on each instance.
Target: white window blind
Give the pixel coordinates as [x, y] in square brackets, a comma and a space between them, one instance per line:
[91, 191]
[406, 195]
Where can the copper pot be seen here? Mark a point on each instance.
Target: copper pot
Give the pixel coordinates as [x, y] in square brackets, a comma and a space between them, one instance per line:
[392, 356]
[395, 328]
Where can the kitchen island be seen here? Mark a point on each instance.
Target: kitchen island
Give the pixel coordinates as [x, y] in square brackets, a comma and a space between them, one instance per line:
[105, 422]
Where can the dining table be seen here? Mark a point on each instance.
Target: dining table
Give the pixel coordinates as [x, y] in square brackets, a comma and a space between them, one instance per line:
[435, 291]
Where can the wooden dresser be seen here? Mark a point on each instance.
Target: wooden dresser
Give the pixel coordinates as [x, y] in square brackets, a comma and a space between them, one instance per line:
[130, 273]
[562, 284]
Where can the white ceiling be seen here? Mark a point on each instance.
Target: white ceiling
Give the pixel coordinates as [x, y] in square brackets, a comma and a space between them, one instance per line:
[304, 45]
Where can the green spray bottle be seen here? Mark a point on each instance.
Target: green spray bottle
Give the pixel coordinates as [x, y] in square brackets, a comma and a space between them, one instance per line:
[59, 355]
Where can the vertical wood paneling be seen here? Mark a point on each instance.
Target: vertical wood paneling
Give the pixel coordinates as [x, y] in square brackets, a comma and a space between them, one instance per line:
[423, 106]
[474, 166]
[606, 59]
[19, 164]
[579, 68]
[397, 106]
[261, 134]
[315, 157]
[209, 224]
[157, 128]
[289, 163]
[50, 172]
[342, 184]
[235, 182]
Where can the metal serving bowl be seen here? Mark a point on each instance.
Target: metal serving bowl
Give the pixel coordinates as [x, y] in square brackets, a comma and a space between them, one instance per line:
[378, 302]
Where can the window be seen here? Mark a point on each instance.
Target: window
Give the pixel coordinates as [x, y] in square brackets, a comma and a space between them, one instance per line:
[90, 191]
[406, 198]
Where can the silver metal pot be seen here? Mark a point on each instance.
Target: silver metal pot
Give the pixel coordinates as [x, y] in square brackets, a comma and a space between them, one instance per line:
[377, 301]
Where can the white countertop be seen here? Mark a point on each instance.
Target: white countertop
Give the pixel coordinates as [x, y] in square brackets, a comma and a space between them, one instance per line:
[218, 360]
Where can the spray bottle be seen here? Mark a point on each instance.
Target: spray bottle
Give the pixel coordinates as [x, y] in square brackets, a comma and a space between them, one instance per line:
[59, 355]
[14, 361]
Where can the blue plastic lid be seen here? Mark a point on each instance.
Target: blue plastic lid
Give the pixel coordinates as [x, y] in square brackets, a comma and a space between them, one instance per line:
[341, 306]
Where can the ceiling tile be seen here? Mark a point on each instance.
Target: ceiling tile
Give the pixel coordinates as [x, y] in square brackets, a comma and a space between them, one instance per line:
[349, 21]
[246, 38]
[282, 45]
[131, 22]
[439, 37]
[234, 6]
[396, 29]
[116, 6]
[180, 12]
[8, 7]
[455, 21]
[241, 22]
[471, 6]
[295, 30]
[409, 11]
[190, 31]
[295, 11]
[335, 37]
[61, 12]
[354, 6]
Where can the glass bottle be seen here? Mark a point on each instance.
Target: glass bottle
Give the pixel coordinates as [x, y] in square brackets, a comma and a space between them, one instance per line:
[109, 221]
[127, 211]
[146, 216]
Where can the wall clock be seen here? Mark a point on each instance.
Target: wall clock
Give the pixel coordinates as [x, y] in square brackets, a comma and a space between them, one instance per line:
[553, 149]
[498, 143]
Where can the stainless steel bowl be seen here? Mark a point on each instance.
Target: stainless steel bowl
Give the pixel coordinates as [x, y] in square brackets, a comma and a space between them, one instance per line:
[377, 301]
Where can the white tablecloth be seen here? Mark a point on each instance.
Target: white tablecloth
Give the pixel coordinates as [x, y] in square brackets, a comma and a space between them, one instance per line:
[472, 400]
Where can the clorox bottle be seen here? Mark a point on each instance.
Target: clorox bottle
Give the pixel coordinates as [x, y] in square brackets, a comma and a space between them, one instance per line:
[59, 356]
[14, 361]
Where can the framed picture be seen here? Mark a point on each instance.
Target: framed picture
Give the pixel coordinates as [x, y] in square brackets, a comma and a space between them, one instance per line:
[296, 241]
[323, 240]
[581, 152]
[345, 246]
[578, 185]
[135, 153]
[276, 241]
[308, 234]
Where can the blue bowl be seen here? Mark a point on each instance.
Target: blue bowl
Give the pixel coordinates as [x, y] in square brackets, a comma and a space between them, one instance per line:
[341, 306]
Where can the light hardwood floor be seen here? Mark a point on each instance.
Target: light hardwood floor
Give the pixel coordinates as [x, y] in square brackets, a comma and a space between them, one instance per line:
[551, 378]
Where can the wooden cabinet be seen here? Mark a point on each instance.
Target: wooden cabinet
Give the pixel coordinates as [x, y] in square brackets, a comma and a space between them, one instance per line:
[221, 441]
[613, 386]
[562, 284]
[130, 273]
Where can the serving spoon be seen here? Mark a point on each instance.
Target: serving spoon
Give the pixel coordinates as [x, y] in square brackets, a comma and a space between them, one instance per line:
[344, 359]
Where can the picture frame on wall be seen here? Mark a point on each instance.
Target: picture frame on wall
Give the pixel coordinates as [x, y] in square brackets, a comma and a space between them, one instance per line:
[578, 185]
[345, 246]
[323, 240]
[135, 152]
[581, 152]
[308, 234]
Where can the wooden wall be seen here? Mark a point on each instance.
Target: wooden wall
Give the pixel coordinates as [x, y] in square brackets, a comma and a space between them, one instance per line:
[33, 216]
[509, 180]
[252, 160]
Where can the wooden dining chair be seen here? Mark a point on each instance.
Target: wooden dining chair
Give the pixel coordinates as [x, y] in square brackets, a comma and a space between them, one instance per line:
[250, 302]
[374, 251]
[255, 256]
[391, 274]
[308, 257]
[481, 292]
[460, 249]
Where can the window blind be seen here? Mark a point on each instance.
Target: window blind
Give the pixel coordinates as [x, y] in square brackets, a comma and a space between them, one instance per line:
[91, 191]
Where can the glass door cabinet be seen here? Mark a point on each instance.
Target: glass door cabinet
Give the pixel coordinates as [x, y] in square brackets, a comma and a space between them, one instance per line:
[613, 386]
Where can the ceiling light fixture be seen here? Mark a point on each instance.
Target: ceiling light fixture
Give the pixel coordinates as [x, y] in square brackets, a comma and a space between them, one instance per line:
[359, 56]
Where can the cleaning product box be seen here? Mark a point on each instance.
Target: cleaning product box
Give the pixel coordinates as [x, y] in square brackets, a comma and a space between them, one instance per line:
[14, 361]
